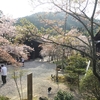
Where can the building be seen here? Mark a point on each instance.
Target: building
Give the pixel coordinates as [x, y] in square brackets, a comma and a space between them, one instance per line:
[34, 44]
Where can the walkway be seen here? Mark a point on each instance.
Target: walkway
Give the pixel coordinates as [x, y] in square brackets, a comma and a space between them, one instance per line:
[41, 80]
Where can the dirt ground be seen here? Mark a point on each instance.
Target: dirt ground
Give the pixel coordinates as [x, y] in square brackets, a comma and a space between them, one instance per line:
[41, 72]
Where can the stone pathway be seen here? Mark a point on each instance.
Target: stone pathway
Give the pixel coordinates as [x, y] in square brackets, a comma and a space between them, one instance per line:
[41, 72]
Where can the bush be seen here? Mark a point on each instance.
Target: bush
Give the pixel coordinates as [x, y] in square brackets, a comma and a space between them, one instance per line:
[61, 78]
[43, 98]
[62, 95]
[90, 86]
[72, 78]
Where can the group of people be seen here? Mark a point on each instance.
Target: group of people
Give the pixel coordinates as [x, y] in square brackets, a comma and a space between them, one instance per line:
[3, 70]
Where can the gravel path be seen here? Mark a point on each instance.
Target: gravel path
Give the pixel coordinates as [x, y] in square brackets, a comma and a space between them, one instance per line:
[41, 80]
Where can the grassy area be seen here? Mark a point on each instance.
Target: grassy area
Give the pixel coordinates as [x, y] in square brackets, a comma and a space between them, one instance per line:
[4, 98]
[35, 98]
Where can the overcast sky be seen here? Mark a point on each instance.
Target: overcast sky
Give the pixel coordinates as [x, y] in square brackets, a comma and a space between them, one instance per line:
[20, 8]
[16, 8]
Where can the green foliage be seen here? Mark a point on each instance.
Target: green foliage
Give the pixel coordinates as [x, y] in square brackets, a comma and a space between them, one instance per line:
[4, 98]
[34, 18]
[72, 78]
[90, 86]
[76, 66]
[79, 71]
[62, 95]
[18, 74]
[59, 63]
[61, 78]
[77, 61]
[25, 31]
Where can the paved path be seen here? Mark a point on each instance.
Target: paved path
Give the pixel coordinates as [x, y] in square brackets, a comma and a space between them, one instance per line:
[41, 80]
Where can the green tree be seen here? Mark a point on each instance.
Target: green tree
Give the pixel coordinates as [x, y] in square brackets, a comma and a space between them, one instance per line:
[76, 66]
[26, 31]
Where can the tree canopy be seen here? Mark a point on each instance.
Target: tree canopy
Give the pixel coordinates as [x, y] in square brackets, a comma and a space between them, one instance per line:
[78, 9]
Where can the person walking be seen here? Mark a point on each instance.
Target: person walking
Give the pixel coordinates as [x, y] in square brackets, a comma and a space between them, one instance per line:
[3, 73]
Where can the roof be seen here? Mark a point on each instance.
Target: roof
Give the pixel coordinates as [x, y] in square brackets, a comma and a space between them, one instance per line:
[97, 36]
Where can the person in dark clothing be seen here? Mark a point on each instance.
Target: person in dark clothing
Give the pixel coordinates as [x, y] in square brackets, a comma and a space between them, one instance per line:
[49, 90]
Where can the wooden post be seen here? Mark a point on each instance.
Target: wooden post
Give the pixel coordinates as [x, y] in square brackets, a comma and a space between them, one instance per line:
[29, 87]
[56, 74]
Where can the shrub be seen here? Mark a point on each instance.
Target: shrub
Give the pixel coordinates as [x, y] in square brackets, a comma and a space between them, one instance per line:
[71, 78]
[62, 95]
[43, 98]
[90, 86]
[61, 78]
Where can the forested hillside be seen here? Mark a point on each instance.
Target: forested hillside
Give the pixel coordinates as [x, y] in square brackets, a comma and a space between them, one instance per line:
[35, 19]
[70, 22]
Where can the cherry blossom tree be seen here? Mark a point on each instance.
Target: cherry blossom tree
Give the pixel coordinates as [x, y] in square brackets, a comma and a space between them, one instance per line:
[7, 28]
[10, 49]
[79, 10]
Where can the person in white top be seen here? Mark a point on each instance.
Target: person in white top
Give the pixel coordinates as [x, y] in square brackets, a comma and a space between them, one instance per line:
[3, 73]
